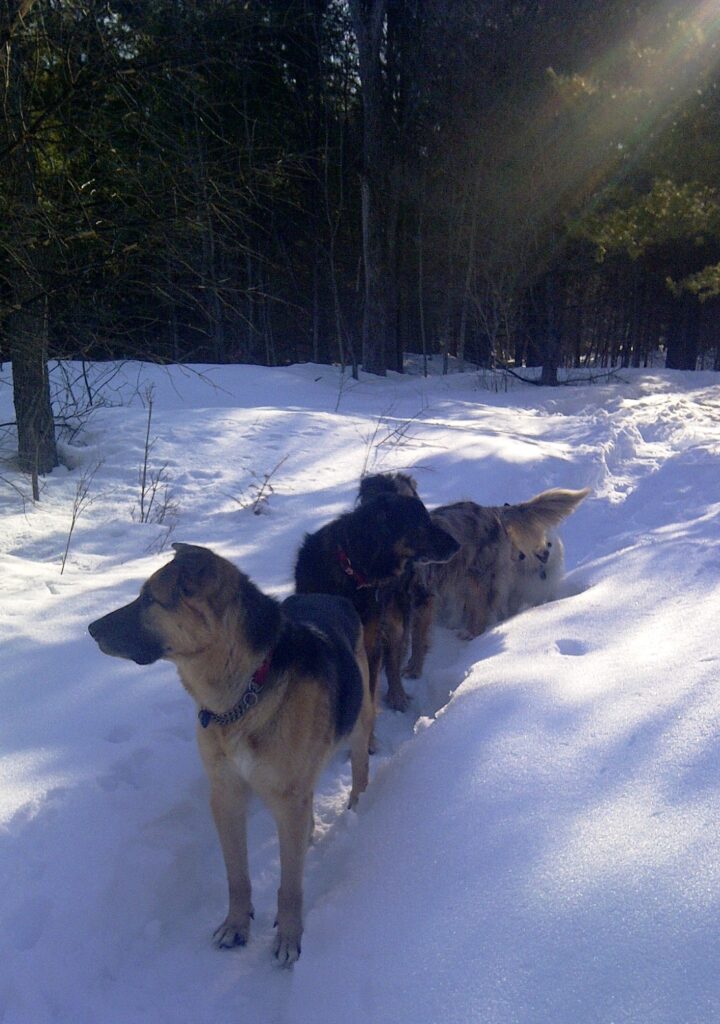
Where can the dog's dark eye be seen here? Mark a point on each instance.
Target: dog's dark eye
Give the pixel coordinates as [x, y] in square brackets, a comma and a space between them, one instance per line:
[147, 599]
[549, 543]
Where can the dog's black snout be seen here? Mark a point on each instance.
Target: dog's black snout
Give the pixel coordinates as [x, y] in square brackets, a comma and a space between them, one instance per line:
[98, 629]
[543, 555]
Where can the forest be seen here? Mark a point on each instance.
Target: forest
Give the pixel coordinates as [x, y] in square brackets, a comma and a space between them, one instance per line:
[507, 184]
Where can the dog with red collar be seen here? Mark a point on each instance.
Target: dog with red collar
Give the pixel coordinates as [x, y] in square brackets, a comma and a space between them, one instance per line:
[277, 687]
[364, 552]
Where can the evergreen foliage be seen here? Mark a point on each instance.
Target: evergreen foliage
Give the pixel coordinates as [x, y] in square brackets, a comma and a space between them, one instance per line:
[184, 181]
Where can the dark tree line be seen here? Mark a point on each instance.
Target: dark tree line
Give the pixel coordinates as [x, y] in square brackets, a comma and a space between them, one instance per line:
[526, 183]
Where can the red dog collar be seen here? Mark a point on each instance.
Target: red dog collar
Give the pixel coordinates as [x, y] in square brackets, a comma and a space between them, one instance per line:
[248, 700]
[358, 577]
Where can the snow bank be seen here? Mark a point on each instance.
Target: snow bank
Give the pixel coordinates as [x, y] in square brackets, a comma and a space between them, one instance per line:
[539, 841]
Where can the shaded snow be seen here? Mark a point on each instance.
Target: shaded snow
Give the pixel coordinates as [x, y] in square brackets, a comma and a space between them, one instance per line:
[539, 842]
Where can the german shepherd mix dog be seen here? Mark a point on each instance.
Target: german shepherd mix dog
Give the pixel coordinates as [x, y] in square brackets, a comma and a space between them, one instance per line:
[277, 687]
[364, 551]
[507, 560]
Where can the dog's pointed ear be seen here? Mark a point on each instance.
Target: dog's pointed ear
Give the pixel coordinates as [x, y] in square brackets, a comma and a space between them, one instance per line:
[196, 568]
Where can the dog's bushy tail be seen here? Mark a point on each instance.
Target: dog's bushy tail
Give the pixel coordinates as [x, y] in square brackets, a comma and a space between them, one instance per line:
[528, 521]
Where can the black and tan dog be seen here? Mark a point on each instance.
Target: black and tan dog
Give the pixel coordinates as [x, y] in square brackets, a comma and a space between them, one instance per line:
[277, 687]
[399, 597]
[364, 551]
[508, 559]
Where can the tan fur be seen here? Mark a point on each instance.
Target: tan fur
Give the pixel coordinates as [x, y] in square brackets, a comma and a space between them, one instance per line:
[503, 565]
[277, 750]
[527, 524]
[373, 657]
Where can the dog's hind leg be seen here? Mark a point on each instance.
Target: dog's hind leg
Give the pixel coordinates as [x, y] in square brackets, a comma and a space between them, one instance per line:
[476, 606]
[359, 760]
[360, 737]
[229, 795]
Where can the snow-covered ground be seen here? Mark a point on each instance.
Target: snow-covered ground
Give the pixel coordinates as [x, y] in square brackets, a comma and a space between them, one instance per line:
[539, 841]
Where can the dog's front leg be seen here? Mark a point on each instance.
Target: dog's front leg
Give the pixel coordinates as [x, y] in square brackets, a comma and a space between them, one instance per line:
[293, 815]
[420, 625]
[479, 597]
[372, 641]
[393, 637]
[362, 732]
[229, 794]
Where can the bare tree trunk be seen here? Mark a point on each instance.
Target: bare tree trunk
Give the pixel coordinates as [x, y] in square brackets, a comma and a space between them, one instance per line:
[421, 287]
[682, 339]
[26, 326]
[333, 216]
[26, 332]
[467, 286]
[368, 18]
[208, 265]
[315, 310]
[551, 357]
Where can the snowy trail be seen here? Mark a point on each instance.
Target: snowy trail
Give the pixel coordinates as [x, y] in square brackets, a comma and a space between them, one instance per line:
[540, 846]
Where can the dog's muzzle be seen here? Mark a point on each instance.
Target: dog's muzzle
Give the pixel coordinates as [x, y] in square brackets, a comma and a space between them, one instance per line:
[121, 635]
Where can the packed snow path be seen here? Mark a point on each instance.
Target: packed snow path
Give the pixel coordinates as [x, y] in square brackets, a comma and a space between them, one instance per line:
[539, 842]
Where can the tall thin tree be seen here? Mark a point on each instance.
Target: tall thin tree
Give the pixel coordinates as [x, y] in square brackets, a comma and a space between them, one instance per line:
[25, 322]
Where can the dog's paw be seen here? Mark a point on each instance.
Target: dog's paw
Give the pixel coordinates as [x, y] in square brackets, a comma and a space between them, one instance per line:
[287, 949]
[398, 700]
[232, 932]
[353, 800]
[466, 634]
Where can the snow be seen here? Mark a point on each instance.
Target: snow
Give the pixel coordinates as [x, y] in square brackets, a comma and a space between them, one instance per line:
[539, 841]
